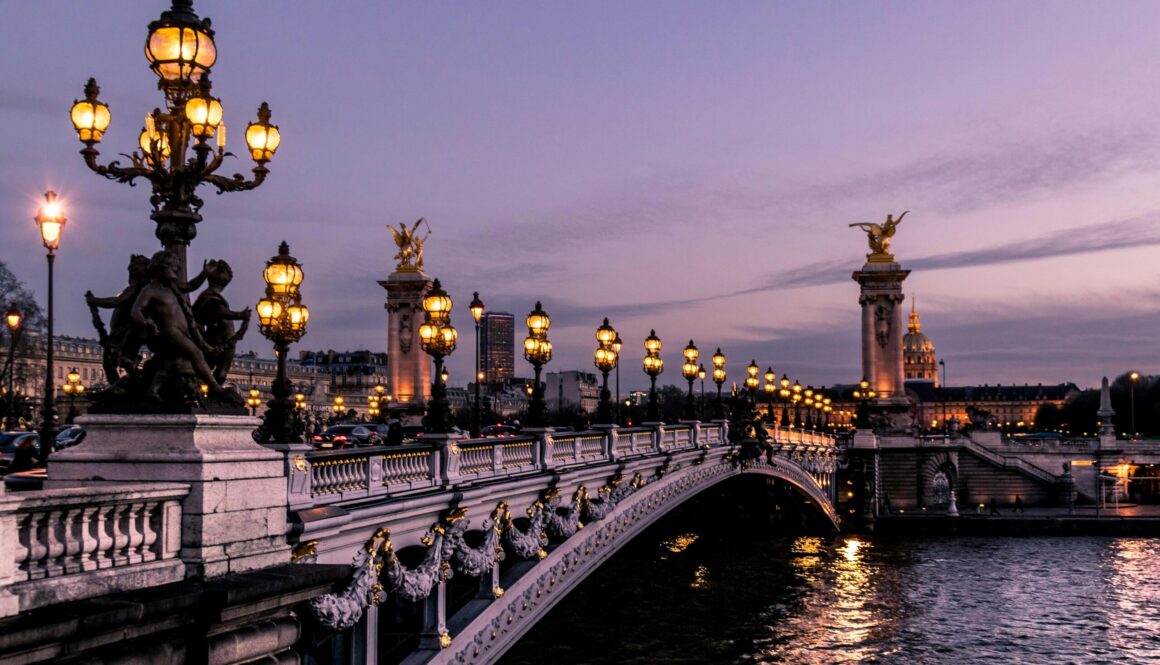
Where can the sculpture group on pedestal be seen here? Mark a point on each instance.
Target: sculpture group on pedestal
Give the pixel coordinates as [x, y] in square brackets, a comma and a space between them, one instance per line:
[191, 347]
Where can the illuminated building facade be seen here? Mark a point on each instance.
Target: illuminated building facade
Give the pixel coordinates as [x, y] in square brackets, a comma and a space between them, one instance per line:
[497, 346]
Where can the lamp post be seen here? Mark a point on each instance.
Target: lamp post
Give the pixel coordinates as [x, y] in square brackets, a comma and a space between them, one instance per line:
[605, 359]
[719, 378]
[476, 308]
[282, 319]
[1132, 379]
[339, 407]
[381, 397]
[617, 345]
[796, 398]
[51, 220]
[438, 338]
[254, 401]
[770, 388]
[701, 373]
[752, 382]
[690, 370]
[784, 393]
[180, 49]
[14, 318]
[73, 388]
[653, 366]
[538, 351]
[863, 394]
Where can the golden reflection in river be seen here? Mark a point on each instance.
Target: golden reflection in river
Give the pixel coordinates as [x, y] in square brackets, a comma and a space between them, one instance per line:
[836, 621]
[1130, 587]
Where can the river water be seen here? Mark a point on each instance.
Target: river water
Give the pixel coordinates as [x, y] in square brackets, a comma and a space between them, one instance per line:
[730, 591]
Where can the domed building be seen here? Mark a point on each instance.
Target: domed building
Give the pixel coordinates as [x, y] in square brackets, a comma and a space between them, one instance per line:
[918, 356]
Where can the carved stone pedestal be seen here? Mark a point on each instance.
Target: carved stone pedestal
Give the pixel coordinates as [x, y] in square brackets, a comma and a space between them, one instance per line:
[234, 518]
[409, 369]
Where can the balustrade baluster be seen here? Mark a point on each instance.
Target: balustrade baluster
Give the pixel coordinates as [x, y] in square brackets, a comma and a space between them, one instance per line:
[53, 528]
[73, 531]
[25, 546]
[120, 534]
[102, 557]
[136, 536]
[150, 527]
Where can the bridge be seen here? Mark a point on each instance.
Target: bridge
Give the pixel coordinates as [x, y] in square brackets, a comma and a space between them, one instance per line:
[550, 507]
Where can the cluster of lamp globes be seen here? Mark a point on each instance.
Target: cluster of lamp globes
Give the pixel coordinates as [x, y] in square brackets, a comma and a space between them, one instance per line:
[180, 49]
[281, 315]
[376, 399]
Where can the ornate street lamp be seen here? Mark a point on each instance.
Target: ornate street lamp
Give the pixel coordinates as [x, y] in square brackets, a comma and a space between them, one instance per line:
[719, 378]
[617, 345]
[299, 402]
[701, 374]
[795, 399]
[73, 388]
[751, 381]
[770, 388]
[180, 49]
[282, 319]
[476, 308]
[653, 366]
[538, 351]
[689, 370]
[14, 318]
[339, 406]
[381, 398]
[605, 359]
[863, 394]
[51, 220]
[254, 401]
[438, 338]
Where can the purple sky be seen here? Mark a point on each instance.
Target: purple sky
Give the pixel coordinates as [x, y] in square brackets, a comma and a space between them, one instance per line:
[688, 167]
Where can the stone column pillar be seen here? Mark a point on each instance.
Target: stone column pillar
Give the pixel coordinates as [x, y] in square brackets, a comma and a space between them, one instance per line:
[409, 369]
[881, 300]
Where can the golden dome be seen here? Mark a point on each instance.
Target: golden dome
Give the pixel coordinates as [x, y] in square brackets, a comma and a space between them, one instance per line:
[918, 351]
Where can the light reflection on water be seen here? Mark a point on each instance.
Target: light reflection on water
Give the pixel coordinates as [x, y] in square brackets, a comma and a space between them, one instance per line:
[810, 600]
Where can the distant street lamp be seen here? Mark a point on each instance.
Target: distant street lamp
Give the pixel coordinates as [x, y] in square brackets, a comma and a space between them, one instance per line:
[381, 398]
[701, 374]
[719, 378]
[653, 366]
[617, 345]
[751, 381]
[339, 406]
[73, 388]
[438, 338]
[537, 351]
[180, 49]
[299, 402]
[282, 319]
[51, 220]
[796, 398]
[690, 370]
[476, 308]
[254, 401]
[863, 394]
[1132, 379]
[605, 359]
[770, 388]
[784, 394]
[14, 319]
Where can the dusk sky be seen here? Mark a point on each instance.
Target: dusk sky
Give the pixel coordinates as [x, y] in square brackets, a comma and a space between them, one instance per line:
[685, 166]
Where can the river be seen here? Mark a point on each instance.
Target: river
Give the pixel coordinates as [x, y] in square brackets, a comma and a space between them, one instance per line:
[740, 591]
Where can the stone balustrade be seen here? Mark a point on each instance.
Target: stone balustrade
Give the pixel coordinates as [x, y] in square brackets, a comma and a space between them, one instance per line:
[326, 477]
[73, 543]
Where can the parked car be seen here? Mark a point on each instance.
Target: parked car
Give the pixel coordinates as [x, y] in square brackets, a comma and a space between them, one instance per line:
[411, 433]
[345, 436]
[69, 437]
[11, 441]
[499, 430]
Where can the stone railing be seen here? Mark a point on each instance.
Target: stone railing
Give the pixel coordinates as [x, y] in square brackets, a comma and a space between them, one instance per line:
[72, 543]
[335, 476]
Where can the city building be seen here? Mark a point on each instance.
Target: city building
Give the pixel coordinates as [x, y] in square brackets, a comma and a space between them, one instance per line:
[920, 362]
[497, 358]
[352, 375]
[571, 389]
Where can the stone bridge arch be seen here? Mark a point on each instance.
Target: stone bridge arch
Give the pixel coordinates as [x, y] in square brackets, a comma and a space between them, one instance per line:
[484, 637]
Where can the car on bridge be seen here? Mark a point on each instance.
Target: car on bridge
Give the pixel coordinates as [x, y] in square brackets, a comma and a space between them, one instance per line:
[499, 431]
[346, 436]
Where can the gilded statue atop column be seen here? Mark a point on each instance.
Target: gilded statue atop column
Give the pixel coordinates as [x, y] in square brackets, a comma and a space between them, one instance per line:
[878, 236]
[410, 255]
